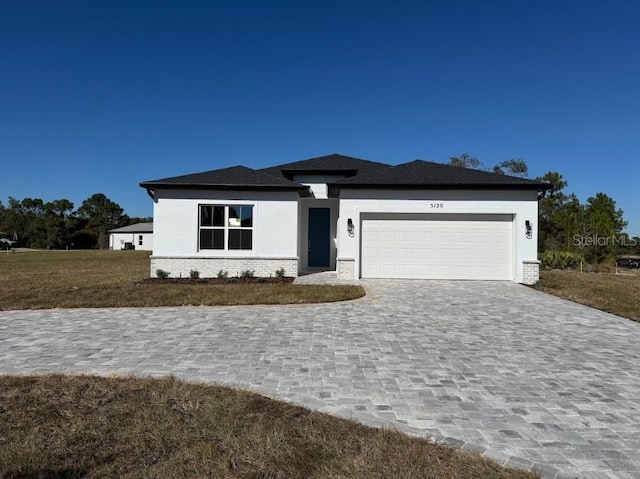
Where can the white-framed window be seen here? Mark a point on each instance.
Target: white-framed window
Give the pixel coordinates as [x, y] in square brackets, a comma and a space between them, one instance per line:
[225, 227]
[139, 240]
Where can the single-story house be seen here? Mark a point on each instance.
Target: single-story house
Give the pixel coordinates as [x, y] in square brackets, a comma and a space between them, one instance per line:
[136, 236]
[361, 218]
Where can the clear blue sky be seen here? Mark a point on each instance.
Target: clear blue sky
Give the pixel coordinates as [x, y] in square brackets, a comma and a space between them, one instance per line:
[96, 96]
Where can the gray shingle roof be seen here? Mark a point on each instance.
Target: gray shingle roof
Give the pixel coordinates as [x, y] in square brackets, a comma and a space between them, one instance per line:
[334, 163]
[427, 174]
[235, 177]
[359, 174]
[135, 228]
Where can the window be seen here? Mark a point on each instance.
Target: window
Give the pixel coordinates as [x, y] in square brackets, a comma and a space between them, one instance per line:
[226, 227]
[139, 240]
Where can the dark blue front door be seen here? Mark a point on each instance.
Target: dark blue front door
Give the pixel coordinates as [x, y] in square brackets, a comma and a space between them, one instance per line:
[319, 237]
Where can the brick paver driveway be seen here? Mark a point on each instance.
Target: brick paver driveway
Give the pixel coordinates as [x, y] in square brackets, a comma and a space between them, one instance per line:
[529, 379]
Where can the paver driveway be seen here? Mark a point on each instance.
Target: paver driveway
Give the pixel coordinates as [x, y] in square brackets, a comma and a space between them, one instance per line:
[532, 380]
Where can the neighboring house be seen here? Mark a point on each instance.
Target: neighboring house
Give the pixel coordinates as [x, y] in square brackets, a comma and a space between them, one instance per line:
[136, 236]
[362, 218]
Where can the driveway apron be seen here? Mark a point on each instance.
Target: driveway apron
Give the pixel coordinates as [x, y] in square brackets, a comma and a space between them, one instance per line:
[522, 377]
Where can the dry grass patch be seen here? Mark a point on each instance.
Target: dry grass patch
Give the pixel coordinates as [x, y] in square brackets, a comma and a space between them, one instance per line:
[615, 293]
[79, 279]
[72, 427]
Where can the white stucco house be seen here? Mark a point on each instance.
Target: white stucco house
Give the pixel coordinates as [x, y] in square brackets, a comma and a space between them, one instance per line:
[136, 236]
[363, 219]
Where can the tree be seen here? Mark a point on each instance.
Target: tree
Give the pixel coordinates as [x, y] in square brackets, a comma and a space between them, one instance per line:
[3, 214]
[100, 215]
[605, 223]
[593, 229]
[569, 218]
[603, 215]
[59, 223]
[140, 219]
[513, 167]
[54, 224]
[466, 161]
[12, 219]
[549, 228]
[21, 220]
[558, 184]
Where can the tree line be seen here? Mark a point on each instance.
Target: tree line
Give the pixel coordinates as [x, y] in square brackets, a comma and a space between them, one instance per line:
[34, 223]
[593, 230]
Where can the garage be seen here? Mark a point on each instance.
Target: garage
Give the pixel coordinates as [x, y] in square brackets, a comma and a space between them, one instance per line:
[437, 246]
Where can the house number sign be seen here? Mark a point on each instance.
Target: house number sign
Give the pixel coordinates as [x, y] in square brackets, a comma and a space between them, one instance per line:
[436, 205]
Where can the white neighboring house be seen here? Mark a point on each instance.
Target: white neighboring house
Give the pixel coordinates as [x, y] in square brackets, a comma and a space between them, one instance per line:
[136, 236]
[361, 218]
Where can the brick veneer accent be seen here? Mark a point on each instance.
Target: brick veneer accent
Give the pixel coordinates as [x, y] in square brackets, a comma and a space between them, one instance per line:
[530, 272]
[209, 267]
[346, 269]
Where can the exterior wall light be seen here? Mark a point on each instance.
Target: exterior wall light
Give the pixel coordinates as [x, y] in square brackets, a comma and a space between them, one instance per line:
[350, 227]
[528, 229]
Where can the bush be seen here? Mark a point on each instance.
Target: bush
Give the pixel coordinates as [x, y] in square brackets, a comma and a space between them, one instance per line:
[162, 274]
[194, 274]
[560, 259]
[280, 273]
[247, 274]
[222, 274]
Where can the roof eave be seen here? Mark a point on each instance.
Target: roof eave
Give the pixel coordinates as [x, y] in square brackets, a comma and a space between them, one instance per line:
[207, 186]
[134, 231]
[301, 189]
[441, 186]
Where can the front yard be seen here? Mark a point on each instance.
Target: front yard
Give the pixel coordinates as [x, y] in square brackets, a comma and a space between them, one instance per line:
[84, 279]
[615, 293]
[77, 426]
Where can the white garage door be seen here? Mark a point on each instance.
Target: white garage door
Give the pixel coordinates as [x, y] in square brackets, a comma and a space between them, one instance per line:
[438, 247]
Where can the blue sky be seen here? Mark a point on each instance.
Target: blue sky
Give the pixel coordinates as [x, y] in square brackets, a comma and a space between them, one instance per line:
[96, 96]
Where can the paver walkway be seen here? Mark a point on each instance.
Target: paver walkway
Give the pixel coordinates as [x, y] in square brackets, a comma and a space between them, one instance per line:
[528, 379]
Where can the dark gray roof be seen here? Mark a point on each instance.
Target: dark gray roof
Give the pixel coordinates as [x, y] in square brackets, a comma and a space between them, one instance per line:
[135, 228]
[427, 174]
[329, 164]
[235, 177]
[359, 174]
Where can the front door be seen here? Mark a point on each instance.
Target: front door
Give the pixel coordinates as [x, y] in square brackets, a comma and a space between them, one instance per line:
[319, 237]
